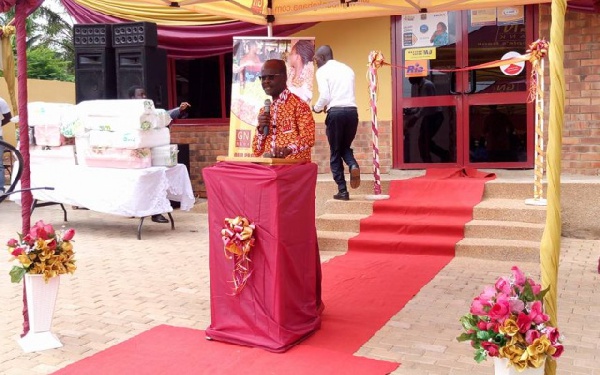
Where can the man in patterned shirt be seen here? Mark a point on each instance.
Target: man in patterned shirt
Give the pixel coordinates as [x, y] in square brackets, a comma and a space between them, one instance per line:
[288, 130]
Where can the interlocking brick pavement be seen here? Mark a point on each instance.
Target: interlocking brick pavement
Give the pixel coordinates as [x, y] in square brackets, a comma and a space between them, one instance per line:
[124, 286]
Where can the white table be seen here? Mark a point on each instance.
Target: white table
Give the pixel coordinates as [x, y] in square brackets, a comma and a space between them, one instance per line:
[125, 192]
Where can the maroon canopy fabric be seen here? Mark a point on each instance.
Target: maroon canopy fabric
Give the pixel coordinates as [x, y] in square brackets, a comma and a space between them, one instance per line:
[280, 304]
[189, 41]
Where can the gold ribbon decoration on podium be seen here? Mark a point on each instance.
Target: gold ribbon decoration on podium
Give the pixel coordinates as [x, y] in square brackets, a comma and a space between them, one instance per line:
[238, 239]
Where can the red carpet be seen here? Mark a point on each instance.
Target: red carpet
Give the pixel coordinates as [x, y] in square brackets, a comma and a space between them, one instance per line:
[401, 247]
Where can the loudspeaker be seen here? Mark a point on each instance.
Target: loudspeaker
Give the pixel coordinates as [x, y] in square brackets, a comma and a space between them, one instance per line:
[95, 74]
[145, 67]
[143, 34]
[94, 35]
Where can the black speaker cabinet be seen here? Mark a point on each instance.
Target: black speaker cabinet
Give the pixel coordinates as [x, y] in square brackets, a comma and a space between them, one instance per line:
[145, 67]
[93, 35]
[142, 34]
[95, 74]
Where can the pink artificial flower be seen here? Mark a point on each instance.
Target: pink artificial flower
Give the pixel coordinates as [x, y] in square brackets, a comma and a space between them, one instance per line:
[500, 311]
[537, 314]
[489, 292]
[68, 235]
[477, 307]
[532, 335]
[18, 251]
[37, 231]
[536, 288]
[12, 243]
[559, 350]
[503, 285]
[518, 275]
[524, 322]
[516, 306]
[491, 348]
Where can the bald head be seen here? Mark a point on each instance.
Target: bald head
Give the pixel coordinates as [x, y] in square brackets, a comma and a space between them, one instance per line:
[323, 54]
[275, 66]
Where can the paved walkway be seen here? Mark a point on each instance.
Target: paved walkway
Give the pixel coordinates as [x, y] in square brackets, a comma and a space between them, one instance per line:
[124, 286]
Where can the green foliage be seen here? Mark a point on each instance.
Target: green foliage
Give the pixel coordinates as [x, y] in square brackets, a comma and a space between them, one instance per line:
[48, 28]
[16, 274]
[43, 63]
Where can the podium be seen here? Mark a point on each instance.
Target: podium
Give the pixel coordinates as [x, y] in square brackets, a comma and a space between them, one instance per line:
[281, 302]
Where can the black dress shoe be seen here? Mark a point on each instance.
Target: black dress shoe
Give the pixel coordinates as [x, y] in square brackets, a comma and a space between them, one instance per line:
[354, 176]
[342, 196]
[159, 219]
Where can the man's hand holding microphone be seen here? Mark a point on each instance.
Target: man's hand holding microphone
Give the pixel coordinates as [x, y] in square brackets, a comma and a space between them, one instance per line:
[264, 124]
[264, 119]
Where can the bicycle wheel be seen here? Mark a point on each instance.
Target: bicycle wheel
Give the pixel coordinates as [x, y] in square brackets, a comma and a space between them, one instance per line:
[16, 169]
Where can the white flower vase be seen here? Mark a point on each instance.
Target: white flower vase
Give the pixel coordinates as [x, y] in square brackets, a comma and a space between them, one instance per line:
[41, 299]
[502, 367]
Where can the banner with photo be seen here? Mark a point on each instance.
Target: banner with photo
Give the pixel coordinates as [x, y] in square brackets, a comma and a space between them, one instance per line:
[247, 94]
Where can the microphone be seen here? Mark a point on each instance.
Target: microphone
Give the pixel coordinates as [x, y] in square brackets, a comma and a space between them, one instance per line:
[265, 129]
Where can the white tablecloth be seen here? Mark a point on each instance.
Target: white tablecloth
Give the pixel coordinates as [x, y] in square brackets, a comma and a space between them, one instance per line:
[126, 192]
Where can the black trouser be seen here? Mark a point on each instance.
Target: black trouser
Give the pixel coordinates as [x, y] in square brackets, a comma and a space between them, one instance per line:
[341, 123]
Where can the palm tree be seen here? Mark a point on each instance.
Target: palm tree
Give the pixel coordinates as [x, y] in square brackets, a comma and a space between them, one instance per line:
[49, 30]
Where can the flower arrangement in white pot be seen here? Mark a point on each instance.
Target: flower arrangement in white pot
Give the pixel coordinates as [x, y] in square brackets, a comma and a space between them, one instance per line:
[43, 255]
[507, 322]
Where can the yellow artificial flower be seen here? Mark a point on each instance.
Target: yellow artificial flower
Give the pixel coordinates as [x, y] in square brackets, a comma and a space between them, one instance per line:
[24, 259]
[536, 361]
[539, 346]
[67, 246]
[510, 327]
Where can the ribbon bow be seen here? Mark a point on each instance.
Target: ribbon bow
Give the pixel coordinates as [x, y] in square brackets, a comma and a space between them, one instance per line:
[238, 239]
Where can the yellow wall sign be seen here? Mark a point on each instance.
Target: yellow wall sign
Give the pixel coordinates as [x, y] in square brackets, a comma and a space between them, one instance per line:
[416, 68]
[427, 53]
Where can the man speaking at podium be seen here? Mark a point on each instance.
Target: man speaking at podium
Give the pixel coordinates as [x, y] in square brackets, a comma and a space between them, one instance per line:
[286, 128]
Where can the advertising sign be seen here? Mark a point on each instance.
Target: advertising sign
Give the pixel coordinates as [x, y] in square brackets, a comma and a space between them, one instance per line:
[424, 30]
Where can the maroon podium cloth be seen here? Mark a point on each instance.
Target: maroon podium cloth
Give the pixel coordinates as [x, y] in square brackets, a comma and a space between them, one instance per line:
[279, 305]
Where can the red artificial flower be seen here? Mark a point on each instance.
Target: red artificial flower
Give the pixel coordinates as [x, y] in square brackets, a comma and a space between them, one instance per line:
[18, 251]
[12, 243]
[524, 322]
[491, 348]
[559, 350]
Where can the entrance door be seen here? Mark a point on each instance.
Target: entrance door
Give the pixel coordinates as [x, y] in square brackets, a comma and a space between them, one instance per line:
[457, 117]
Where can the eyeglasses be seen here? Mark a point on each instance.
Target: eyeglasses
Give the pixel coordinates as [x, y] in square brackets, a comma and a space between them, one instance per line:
[269, 76]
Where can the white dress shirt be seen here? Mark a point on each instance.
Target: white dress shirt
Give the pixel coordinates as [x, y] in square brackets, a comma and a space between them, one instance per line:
[336, 86]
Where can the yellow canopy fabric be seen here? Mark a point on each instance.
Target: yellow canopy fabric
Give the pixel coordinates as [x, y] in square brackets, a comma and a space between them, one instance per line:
[8, 64]
[300, 11]
[156, 11]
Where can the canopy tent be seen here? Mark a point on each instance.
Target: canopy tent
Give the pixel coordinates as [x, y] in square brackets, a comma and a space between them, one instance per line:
[182, 33]
[187, 30]
[282, 12]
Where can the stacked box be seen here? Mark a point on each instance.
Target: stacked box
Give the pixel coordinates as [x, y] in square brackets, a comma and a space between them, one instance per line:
[121, 115]
[164, 155]
[55, 156]
[107, 157]
[131, 139]
[120, 133]
[48, 120]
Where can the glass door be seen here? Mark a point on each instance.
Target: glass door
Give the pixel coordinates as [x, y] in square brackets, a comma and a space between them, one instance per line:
[448, 115]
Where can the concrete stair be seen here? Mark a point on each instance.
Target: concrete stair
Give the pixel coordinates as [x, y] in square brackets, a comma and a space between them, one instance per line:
[341, 220]
[503, 226]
